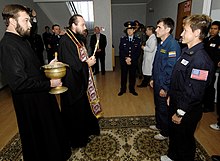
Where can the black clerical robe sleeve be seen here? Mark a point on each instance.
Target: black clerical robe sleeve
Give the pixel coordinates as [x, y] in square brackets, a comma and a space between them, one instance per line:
[77, 74]
[20, 71]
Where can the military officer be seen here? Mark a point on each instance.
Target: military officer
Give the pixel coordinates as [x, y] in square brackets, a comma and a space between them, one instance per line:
[129, 51]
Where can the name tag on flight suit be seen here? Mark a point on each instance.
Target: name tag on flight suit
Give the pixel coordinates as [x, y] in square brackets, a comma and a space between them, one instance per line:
[184, 62]
[212, 45]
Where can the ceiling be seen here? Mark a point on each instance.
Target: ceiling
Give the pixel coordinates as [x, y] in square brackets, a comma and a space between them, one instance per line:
[129, 1]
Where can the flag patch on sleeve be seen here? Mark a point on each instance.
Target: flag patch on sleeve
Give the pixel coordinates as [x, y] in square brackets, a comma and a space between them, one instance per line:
[172, 54]
[199, 74]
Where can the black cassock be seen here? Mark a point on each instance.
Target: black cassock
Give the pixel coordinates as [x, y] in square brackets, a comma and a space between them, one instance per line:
[37, 111]
[75, 108]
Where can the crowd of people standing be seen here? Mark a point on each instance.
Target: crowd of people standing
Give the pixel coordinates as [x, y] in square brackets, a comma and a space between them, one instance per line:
[47, 131]
[183, 82]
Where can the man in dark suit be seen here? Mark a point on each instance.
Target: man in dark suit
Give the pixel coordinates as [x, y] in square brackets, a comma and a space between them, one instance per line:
[212, 47]
[47, 38]
[100, 52]
[54, 42]
[129, 51]
[37, 45]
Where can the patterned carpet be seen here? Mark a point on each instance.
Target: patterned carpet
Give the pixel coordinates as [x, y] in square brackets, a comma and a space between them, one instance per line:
[121, 139]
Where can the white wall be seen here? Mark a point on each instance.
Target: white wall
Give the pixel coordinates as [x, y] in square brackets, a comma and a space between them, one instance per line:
[102, 18]
[121, 14]
[58, 12]
[162, 9]
[215, 10]
[197, 6]
[215, 5]
[43, 20]
[215, 15]
[112, 17]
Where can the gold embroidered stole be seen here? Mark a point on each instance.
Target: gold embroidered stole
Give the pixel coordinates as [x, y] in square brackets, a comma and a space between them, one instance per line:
[92, 90]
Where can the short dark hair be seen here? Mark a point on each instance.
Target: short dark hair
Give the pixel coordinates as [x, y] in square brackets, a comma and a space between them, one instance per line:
[11, 11]
[167, 22]
[47, 27]
[217, 23]
[74, 20]
[55, 26]
[137, 22]
[152, 28]
[201, 22]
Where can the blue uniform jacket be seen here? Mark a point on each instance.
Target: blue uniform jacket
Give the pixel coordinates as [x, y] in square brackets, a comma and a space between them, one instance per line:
[166, 56]
[129, 49]
[191, 75]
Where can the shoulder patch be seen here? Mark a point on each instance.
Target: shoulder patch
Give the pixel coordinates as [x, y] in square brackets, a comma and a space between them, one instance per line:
[172, 54]
[199, 74]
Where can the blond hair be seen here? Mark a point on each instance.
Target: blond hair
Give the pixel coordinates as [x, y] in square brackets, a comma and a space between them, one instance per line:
[201, 22]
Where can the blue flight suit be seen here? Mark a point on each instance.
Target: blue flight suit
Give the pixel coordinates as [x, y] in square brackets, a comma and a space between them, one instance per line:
[129, 49]
[166, 56]
[191, 75]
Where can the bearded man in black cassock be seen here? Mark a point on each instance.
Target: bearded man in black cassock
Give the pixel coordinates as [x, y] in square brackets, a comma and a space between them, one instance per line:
[80, 105]
[38, 116]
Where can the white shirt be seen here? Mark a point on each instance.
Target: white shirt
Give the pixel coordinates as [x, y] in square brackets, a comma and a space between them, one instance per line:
[97, 36]
[130, 38]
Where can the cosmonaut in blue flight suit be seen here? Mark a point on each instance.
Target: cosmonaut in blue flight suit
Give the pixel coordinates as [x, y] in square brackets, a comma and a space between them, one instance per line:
[191, 75]
[129, 51]
[168, 51]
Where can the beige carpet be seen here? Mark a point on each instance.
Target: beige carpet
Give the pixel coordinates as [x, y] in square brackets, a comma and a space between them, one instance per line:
[121, 139]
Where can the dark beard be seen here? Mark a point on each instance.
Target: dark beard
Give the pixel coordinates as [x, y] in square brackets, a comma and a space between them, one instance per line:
[81, 38]
[21, 31]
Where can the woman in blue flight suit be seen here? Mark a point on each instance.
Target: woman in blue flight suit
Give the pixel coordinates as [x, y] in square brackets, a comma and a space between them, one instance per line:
[191, 76]
[129, 51]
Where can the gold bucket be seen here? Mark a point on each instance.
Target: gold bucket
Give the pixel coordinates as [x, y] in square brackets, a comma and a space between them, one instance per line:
[56, 70]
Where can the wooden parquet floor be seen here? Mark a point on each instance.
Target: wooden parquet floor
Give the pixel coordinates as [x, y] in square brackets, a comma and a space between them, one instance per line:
[113, 105]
